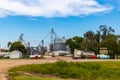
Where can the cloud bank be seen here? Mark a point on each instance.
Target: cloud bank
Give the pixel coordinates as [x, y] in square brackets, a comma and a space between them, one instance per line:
[51, 8]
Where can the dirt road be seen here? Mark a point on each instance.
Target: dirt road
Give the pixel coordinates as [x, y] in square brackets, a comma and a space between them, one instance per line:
[6, 64]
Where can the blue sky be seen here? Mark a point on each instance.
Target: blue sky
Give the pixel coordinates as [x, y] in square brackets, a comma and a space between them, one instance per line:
[35, 18]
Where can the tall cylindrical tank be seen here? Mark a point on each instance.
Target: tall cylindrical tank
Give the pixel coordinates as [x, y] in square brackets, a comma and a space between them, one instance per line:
[59, 47]
[59, 44]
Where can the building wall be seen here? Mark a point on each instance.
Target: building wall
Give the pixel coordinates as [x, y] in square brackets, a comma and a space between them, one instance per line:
[15, 54]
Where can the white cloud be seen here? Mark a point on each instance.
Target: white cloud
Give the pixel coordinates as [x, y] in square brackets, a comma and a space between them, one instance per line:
[51, 8]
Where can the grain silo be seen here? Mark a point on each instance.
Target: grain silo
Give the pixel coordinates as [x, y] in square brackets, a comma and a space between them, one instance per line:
[59, 44]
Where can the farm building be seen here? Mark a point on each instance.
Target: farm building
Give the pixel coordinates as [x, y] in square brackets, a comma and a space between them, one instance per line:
[15, 54]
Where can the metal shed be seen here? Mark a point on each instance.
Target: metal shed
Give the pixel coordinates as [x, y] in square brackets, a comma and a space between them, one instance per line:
[15, 54]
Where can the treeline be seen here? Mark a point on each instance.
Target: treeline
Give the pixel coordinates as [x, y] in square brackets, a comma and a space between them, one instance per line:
[93, 41]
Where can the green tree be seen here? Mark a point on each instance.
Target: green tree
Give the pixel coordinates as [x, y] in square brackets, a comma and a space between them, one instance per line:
[111, 45]
[9, 44]
[103, 31]
[75, 43]
[106, 32]
[104, 37]
[89, 41]
[17, 46]
[97, 36]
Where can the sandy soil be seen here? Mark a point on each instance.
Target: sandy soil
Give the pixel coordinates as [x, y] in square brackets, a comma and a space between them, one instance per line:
[6, 64]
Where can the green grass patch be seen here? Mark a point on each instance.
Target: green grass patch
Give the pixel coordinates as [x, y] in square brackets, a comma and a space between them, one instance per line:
[74, 70]
[34, 78]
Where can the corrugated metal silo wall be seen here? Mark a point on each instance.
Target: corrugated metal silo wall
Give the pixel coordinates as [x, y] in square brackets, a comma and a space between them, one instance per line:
[59, 47]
